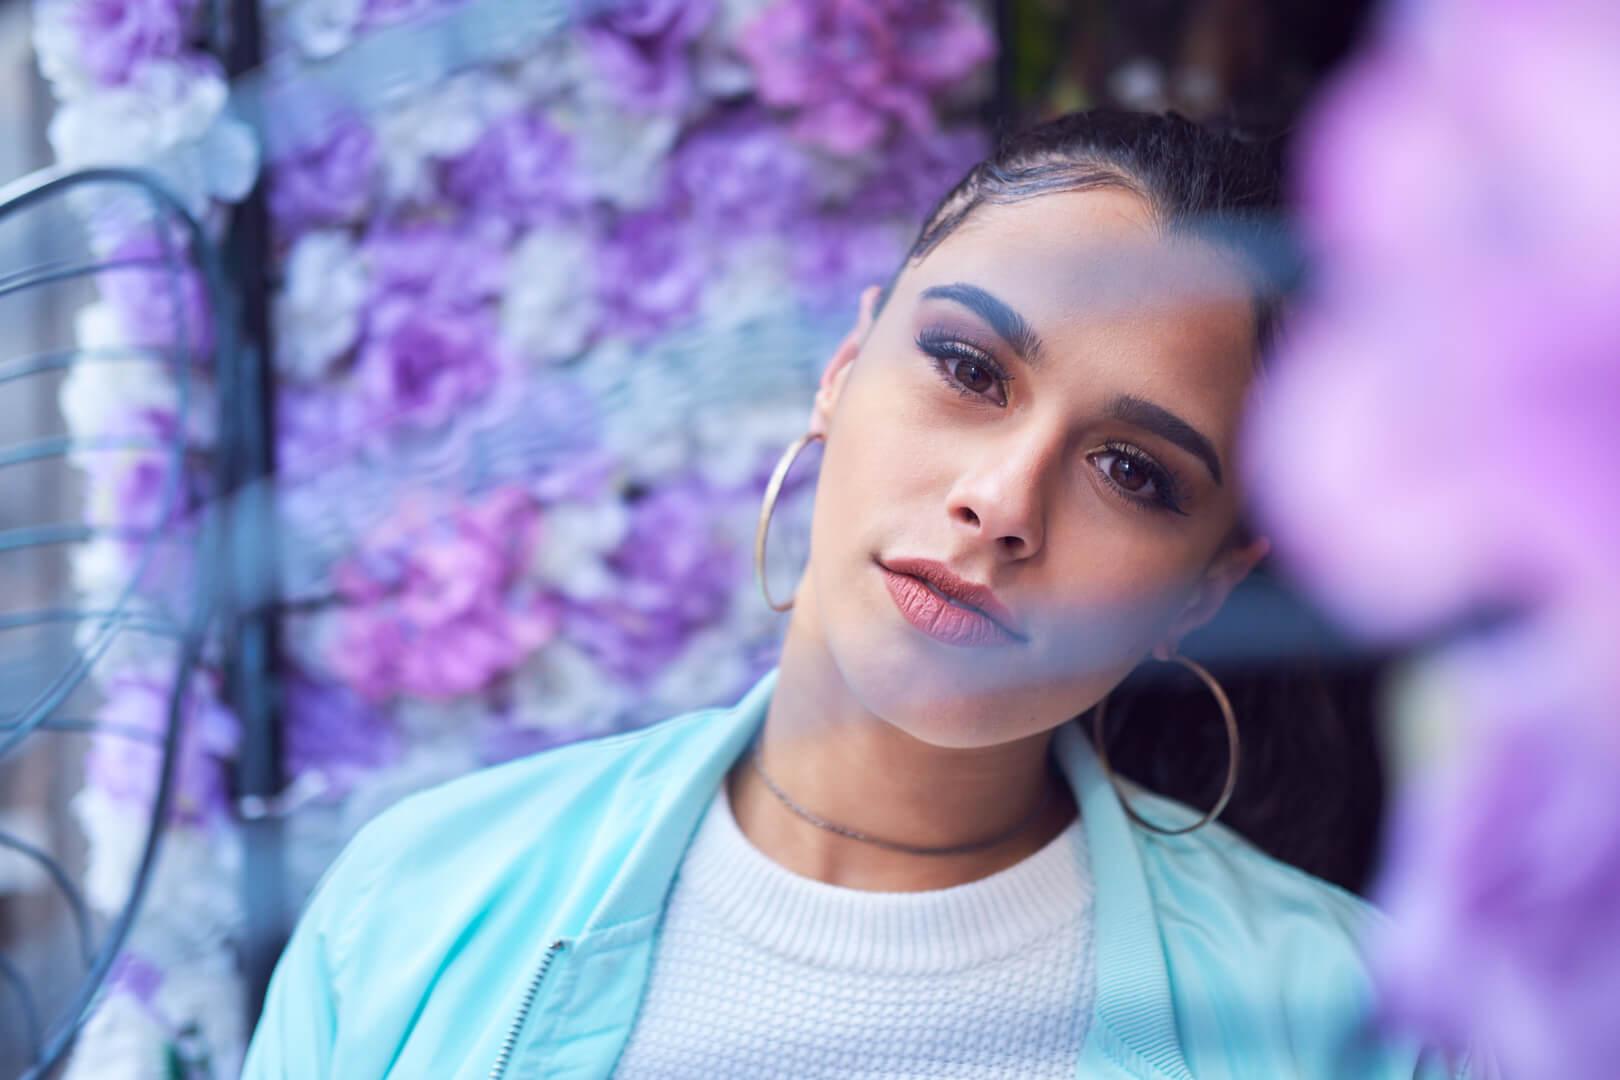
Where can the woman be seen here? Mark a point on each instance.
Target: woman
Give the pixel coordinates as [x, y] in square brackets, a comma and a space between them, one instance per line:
[896, 856]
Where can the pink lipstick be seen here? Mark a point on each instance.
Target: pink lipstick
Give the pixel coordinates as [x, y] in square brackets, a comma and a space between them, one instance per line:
[945, 606]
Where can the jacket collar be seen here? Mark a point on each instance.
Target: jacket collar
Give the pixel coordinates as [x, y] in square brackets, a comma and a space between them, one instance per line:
[1134, 1020]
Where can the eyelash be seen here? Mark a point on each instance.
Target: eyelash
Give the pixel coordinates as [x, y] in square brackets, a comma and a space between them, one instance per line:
[1165, 487]
[944, 347]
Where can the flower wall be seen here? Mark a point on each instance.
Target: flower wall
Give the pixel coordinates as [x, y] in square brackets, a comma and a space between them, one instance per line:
[540, 333]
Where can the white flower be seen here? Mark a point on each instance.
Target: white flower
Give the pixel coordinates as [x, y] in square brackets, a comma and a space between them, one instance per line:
[101, 571]
[619, 155]
[428, 763]
[576, 537]
[316, 28]
[120, 1041]
[549, 309]
[170, 118]
[421, 719]
[318, 309]
[643, 409]
[720, 70]
[205, 994]
[114, 381]
[561, 689]
[709, 671]
[733, 440]
[436, 124]
[56, 42]
[550, 69]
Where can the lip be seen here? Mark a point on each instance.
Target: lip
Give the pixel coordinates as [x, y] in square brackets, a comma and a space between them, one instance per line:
[946, 606]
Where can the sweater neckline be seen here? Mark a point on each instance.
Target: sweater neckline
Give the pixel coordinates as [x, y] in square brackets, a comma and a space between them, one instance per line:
[933, 930]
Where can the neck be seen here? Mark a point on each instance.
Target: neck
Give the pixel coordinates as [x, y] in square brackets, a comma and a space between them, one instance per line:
[844, 764]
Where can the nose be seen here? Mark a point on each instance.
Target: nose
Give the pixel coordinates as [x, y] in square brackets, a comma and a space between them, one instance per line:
[1000, 495]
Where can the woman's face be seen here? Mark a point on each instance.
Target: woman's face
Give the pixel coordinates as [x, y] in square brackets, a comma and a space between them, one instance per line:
[1047, 405]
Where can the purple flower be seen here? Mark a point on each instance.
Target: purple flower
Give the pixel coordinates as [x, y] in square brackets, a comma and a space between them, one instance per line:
[125, 760]
[331, 729]
[1429, 449]
[651, 269]
[518, 170]
[430, 345]
[1503, 871]
[915, 173]
[326, 183]
[436, 601]
[741, 173]
[836, 256]
[440, 264]
[641, 50]
[159, 298]
[421, 365]
[117, 36]
[675, 575]
[135, 975]
[851, 70]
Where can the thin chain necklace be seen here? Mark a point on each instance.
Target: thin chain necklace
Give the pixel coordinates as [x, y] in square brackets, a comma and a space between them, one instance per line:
[908, 849]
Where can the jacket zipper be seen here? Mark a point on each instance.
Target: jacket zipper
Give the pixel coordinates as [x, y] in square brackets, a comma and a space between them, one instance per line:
[502, 1059]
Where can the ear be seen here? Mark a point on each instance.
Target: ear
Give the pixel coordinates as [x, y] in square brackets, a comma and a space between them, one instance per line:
[1218, 581]
[838, 368]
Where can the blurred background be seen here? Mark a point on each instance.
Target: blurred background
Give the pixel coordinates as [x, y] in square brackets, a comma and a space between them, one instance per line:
[420, 420]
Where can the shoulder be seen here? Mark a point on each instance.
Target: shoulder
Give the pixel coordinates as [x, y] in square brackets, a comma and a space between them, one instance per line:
[515, 829]
[1256, 946]
[562, 782]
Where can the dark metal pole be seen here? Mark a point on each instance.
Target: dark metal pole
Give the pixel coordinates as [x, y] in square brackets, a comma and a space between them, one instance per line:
[251, 646]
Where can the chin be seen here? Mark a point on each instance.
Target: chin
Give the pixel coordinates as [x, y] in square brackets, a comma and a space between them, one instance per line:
[961, 701]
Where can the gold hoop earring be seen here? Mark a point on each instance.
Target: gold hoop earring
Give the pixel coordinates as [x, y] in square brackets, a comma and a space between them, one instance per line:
[1232, 741]
[768, 507]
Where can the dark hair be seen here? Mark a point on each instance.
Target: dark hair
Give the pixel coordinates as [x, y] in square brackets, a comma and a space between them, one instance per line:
[1309, 788]
[1196, 179]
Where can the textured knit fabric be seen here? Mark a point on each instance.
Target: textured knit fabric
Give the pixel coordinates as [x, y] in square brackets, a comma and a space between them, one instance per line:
[759, 972]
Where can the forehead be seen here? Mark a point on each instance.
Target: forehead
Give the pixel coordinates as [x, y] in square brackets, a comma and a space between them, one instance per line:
[1098, 279]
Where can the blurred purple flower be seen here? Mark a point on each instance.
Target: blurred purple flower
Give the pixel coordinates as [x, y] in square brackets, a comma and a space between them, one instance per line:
[144, 295]
[331, 729]
[916, 172]
[1503, 869]
[136, 975]
[852, 69]
[835, 256]
[440, 264]
[326, 183]
[430, 344]
[641, 51]
[437, 605]
[740, 173]
[518, 170]
[675, 575]
[1435, 444]
[117, 36]
[652, 267]
[125, 761]
[421, 365]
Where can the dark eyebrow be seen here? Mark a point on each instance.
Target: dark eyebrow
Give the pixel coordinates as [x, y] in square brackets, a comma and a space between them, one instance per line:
[1162, 422]
[1013, 328]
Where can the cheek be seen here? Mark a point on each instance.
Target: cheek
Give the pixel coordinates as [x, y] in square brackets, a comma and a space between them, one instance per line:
[1113, 592]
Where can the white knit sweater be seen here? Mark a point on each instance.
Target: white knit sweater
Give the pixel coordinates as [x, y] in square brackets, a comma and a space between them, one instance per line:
[759, 972]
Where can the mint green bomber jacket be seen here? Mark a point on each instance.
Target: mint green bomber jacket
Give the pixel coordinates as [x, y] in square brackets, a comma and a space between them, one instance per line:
[501, 927]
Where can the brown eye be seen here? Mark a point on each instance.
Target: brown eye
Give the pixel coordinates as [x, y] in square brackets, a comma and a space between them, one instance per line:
[973, 376]
[1128, 474]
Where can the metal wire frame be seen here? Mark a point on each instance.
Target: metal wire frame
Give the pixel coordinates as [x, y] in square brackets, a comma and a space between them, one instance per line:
[50, 1038]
